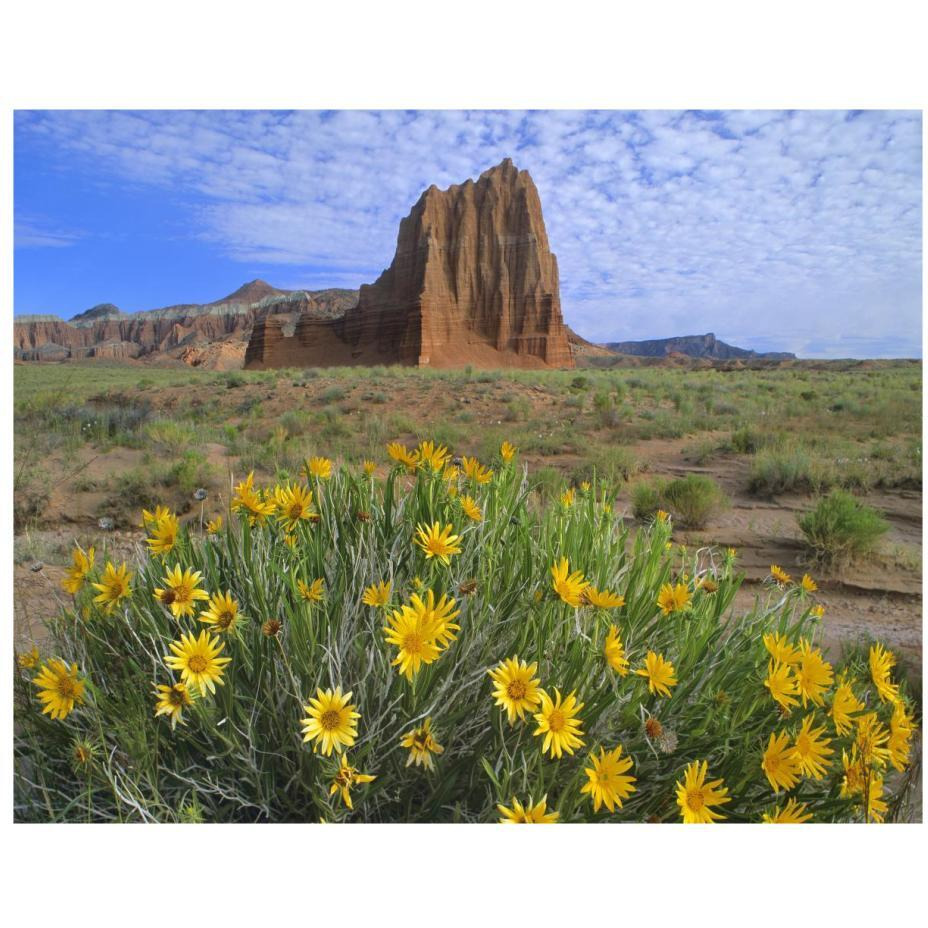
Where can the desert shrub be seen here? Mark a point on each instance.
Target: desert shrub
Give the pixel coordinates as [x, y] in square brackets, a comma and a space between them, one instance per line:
[694, 499]
[188, 473]
[840, 528]
[518, 409]
[239, 754]
[333, 395]
[791, 469]
[745, 440]
[647, 498]
[233, 380]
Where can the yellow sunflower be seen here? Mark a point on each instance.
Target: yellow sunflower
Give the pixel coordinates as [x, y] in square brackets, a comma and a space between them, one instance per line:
[421, 631]
[471, 509]
[214, 526]
[377, 595]
[607, 780]
[515, 687]
[164, 532]
[113, 586]
[844, 706]
[252, 502]
[779, 574]
[673, 598]
[153, 518]
[881, 665]
[331, 721]
[475, 471]
[314, 592]
[569, 586]
[812, 749]
[615, 652]
[782, 649]
[60, 688]
[438, 542]
[347, 777]
[601, 599]
[422, 745]
[432, 455]
[528, 814]
[660, 674]
[793, 813]
[368, 466]
[568, 497]
[221, 612]
[872, 740]
[402, 455]
[783, 685]
[814, 675]
[507, 451]
[320, 468]
[901, 729]
[171, 701]
[559, 724]
[696, 798]
[28, 660]
[75, 577]
[780, 762]
[293, 504]
[198, 661]
[180, 591]
[807, 584]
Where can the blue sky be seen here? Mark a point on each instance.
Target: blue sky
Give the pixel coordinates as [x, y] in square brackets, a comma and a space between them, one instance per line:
[796, 231]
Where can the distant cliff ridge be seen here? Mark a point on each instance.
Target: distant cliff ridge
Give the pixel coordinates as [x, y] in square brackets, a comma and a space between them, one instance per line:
[695, 346]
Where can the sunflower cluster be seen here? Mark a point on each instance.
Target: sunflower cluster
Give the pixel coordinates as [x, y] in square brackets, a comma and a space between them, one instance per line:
[429, 645]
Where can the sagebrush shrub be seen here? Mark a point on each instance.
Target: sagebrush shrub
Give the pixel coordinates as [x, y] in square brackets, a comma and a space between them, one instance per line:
[840, 528]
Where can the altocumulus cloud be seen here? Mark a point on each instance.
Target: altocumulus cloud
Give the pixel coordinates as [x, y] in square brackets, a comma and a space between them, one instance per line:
[777, 230]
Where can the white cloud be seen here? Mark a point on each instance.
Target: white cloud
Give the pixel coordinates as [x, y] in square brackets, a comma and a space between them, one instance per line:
[805, 224]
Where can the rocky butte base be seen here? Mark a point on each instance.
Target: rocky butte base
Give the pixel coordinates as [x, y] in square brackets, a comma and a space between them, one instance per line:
[473, 282]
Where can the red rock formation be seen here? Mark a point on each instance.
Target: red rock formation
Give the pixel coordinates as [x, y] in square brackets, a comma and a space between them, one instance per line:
[472, 282]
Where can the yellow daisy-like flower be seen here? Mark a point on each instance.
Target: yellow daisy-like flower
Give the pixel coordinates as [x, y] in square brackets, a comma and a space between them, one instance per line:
[808, 584]
[607, 780]
[782, 684]
[855, 773]
[812, 749]
[113, 586]
[28, 660]
[876, 807]
[507, 451]
[696, 798]
[250, 501]
[659, 673]
[421, 631]
[779, 574]
[75, 577]
[438, 542]
[569, 586]
[475, 471]
[368, 466]
[901, 729]
[872, 740]
[559, 724]
[782, 649]
[528, 814]
[221, 612]
[214, 526]
[320, 468]
[844, 706]
[661, 516]
[515, 687]
[314, 593]
[818, 610]
[568, 497]
[881, 665]
[673, 598]
[347, 777]
[402, 455]
[615, 652]
[431, 455]
[422, 745]
[585, 486]
[793, 813]
[198, 661]
[293, 505]
[153, 518]
[780, 762]
[180, 591]
[378, 594]
[601, 599]
[331, 721]
[60, 688]
[171, 701]
[471, 509]
[164, 534]
[814, 675]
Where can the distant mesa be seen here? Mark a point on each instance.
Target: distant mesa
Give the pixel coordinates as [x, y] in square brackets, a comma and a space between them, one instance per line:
[695, 346]
[472, 282]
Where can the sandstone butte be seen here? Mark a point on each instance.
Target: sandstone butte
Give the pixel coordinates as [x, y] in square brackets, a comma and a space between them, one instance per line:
[473, 282]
